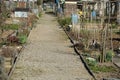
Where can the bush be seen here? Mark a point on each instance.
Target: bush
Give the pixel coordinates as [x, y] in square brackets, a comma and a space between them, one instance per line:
[22, 39]
[109, 55]
[64, 21]
[68, 20]
[61, 22]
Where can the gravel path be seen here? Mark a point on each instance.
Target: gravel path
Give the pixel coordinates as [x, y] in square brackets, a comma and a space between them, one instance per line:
[48, 55]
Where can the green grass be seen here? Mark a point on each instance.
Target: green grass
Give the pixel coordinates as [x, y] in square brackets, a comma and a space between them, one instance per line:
[10, 26]
[95, 67]
[102, 68]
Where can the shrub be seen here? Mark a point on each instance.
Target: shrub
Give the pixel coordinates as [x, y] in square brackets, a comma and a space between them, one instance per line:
[68, 20]
[22, 39]
[64, 21]
[109, 55]
[61, 22]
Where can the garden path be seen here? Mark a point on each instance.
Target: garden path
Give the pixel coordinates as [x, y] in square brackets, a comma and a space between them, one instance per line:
[48, 55]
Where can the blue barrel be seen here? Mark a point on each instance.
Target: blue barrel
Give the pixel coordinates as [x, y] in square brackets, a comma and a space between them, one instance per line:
[94, 14]
[74, 18]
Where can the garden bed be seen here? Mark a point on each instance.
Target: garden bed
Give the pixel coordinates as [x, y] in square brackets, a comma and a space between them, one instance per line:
[14, 35]
[100, 70]
[91, 57]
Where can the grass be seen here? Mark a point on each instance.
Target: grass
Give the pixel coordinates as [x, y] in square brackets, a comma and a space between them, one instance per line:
[102, 68]
[11, 26]
[96, 67]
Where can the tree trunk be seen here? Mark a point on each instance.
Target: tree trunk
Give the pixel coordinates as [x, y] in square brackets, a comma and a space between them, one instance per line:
[103, 34]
